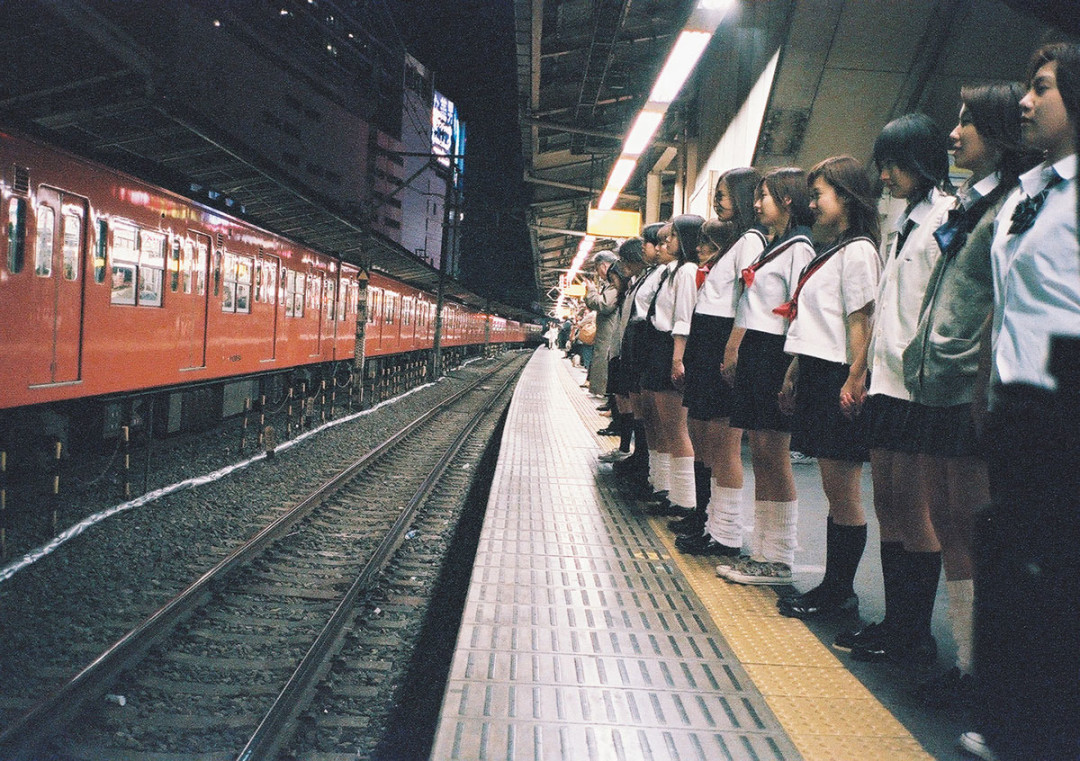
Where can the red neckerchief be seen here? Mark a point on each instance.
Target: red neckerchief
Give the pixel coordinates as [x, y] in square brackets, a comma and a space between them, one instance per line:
[789, 309]
[768, 256]
[702, 273]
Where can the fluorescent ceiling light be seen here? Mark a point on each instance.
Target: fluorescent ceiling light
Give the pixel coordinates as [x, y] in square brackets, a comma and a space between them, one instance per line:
[620, 173]
[715, 5]
[641, 133]
[684, 56]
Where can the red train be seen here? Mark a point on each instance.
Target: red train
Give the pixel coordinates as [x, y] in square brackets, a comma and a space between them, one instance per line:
[110, 286]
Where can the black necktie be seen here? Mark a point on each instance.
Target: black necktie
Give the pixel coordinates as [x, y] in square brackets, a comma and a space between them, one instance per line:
[1024, 214]
[902, 237]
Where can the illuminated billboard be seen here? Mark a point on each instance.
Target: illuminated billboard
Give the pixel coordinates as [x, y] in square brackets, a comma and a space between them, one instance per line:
[443, 125]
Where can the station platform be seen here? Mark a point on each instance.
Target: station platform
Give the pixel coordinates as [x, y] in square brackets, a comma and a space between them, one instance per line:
[586, 635]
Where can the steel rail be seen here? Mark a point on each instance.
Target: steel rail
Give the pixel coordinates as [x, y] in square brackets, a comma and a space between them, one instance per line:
[20, 739]
[276, 727]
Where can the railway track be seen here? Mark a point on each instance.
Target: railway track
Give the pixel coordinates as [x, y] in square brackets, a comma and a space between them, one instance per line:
[226, 666]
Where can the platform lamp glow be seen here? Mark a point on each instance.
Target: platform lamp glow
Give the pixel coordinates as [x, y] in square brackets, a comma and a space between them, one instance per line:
[684, 55]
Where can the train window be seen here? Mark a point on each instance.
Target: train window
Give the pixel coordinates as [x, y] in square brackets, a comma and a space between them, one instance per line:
[290, 289]
[174, 266]
[406, 311]
[236, 283]
[187, 264]
[100, 250]
[374, 304]
[16, 234]
[44, 249]
[343, 300]
[202, 250]
[72, 245]
[390, 308]
[298, 295]
[328, 297]
[270, 269]
[151, 268]
[314, 292]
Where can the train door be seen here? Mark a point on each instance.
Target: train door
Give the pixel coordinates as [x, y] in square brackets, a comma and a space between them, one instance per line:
[329, 310]
[195, 268]
[59, 256]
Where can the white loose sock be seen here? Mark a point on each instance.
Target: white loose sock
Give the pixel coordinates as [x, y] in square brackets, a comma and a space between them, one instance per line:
[682, 491]
[780, 536]
[663, 471]
[961, 605]
[724, 521]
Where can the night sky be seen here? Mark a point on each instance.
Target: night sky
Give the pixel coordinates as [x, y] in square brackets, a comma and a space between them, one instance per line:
[469, 44]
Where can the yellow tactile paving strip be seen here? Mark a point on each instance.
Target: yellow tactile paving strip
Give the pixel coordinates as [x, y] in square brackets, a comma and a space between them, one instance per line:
[828, 713]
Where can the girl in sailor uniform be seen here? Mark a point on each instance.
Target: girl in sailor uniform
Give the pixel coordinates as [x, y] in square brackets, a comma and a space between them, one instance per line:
[728, 243]
[669, 319]
[828, 334]
[783, 209]
[911, 154]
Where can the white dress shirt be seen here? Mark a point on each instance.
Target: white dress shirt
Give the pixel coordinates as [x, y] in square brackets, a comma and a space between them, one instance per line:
[773, 285]
[676, 298]
[643, 296]
[844, 284]
[900, 293]
[1036, 278]
[719, 294]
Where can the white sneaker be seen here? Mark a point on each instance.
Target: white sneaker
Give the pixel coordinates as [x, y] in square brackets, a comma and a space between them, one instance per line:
[613, 456]
[756, 572]
[975, 744]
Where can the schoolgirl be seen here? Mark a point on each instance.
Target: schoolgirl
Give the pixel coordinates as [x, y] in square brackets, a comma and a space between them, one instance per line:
[911, 155]
[727, 244]
[669, 317]
[645, 469]
[1028, 576]
[782, 206]
[623, 275]
[941, 362]
[830, 315]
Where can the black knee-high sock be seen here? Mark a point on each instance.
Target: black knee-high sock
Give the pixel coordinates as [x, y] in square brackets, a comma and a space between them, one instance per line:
[844, 548]
[625, 424]
[922, 571]
[892, 576]
[702, 486]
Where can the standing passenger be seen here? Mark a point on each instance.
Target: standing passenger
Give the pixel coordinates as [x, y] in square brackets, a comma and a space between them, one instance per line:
[941, 363]
[782, 205]
[830, 316]
[602, 297]
[911, 153]
[1028, 575]
[717, 528]
[670, 316]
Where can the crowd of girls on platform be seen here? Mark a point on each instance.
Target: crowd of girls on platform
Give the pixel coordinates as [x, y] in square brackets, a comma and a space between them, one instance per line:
[792, 317]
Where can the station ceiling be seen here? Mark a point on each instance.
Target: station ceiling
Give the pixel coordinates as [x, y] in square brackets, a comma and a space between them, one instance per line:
[846, 67]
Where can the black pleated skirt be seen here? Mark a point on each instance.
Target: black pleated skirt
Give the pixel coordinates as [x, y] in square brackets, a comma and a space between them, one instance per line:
[656, 362]
[758, 378]
[706, 395]
[819, 427]
[890, 424]
[944, 431]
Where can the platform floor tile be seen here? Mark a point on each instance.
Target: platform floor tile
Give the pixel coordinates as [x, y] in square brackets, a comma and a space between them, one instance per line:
[581, 638]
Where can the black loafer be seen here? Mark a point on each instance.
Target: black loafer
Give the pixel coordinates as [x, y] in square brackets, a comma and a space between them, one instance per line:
[609, 431]
[897, 649]
[847, 640]
[691, 525]
[817, 604]
[705, 546]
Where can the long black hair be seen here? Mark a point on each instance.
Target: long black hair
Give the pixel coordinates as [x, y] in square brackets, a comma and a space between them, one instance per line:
[651, 233]
[787, 186]
[687, 228]
[916, 144]
[741, 183]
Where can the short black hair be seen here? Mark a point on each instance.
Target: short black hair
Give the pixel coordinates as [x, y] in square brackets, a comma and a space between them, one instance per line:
[651, 233]
[916, 144]
[632, 250]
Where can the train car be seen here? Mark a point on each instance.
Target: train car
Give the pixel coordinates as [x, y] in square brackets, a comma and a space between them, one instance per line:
[115, 290]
